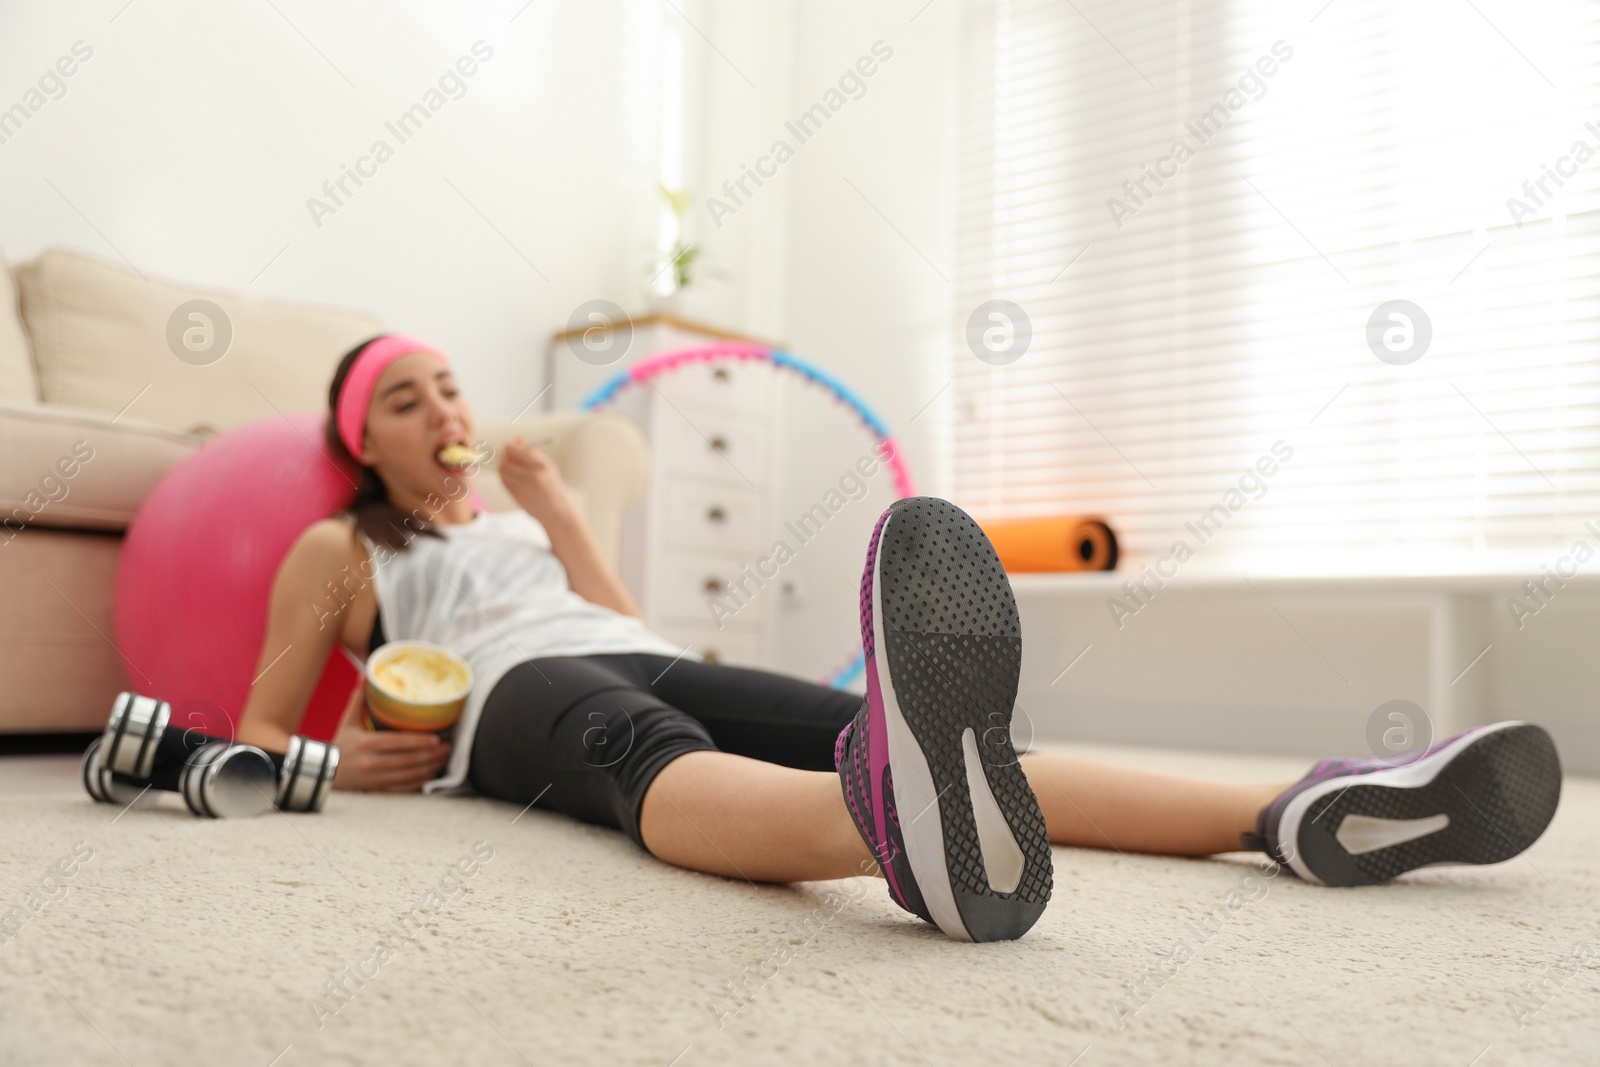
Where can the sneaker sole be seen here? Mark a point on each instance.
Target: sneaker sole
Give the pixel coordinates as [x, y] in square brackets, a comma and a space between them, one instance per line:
[1484, 799]
[948, 656]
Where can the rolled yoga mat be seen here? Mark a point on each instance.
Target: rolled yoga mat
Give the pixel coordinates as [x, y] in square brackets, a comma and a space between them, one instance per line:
[1066, 543]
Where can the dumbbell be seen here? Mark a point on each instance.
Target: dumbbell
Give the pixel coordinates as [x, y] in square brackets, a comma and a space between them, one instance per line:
[216, 777]
[218, 780]
[137, 753]
[107, 788]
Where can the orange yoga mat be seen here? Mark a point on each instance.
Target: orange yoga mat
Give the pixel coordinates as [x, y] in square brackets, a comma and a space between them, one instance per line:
[1065, 543]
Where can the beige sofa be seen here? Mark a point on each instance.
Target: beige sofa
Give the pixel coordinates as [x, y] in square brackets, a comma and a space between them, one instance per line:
[90, 367]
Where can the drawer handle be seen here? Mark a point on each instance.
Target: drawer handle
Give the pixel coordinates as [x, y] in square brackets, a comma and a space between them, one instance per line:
[721, 374]
[713, 586]
[715, 513]
[711, 655]
[719, 444]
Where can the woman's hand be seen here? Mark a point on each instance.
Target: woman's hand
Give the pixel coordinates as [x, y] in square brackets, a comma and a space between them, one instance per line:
[536, 484]
[533, 481]
[384, 760]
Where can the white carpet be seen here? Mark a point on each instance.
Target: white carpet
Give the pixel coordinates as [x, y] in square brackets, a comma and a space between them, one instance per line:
[183, 941]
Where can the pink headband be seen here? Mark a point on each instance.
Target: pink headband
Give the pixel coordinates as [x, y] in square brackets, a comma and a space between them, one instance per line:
[356, 396]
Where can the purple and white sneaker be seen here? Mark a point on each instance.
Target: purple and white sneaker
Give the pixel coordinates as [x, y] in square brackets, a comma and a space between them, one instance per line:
[880, 830]
[1482, 796]
[943, 647]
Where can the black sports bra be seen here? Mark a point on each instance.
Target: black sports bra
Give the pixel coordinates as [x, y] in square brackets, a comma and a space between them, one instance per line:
[377, 634]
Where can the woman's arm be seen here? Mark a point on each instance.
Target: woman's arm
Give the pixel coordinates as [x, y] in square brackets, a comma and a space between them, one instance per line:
[534, 482]
[590, 576]
[300, 635]
[297, 641]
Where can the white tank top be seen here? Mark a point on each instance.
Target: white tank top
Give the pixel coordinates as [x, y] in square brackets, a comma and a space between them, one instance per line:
[493, 593]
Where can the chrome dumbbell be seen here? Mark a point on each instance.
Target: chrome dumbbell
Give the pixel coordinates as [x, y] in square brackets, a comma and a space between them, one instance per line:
[222, 780]
[214, 781]
[305, 774]
[104, 787]
[138, 749]
[216, 777]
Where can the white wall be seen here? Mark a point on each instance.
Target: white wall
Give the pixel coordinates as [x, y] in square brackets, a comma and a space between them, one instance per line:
[189, 144]
[854, 277]
[871, 250]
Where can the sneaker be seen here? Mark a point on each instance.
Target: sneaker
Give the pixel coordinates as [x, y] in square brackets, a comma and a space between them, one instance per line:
[943, 649]
[1482, 796]
[852, 760]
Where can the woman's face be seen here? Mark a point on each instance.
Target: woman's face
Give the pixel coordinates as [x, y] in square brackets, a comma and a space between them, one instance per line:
[417, 409]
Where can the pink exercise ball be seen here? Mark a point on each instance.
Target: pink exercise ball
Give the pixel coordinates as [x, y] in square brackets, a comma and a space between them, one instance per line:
[197, 566]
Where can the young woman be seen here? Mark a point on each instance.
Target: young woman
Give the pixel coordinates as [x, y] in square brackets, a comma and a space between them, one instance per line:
[579, 708]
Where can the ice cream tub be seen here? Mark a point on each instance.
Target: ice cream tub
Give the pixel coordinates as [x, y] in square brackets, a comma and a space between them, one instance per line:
[416, 686]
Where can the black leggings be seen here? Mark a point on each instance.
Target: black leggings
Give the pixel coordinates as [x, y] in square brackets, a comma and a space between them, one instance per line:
[586, 735]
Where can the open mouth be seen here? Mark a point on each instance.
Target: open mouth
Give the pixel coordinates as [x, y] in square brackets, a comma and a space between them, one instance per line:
[456, 455]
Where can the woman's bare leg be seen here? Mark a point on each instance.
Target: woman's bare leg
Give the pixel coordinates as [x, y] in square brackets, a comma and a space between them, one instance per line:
[1101, 805]
[739, 817]
[743, 818]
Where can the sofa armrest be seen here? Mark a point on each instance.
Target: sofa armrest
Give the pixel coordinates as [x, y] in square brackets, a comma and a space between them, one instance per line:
[71, 468]
[604, 457]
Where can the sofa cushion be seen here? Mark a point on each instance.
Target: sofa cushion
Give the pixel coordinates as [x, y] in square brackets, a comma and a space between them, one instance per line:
[78, 469]
[17, 382]
[107, 340]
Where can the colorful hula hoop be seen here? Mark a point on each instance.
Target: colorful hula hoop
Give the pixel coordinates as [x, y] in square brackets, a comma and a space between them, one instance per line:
[643, 372]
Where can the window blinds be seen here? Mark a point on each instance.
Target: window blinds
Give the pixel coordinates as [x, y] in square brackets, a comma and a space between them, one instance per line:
[1199, 207]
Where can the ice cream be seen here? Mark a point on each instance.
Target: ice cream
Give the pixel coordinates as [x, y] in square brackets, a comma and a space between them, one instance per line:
[457, 454]
[422, 676]
[415, 685]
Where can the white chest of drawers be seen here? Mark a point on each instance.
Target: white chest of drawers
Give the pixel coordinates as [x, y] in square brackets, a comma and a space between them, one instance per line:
[692, 554]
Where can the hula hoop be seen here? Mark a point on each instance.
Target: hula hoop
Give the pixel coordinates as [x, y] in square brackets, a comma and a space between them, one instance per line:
[656, 366]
